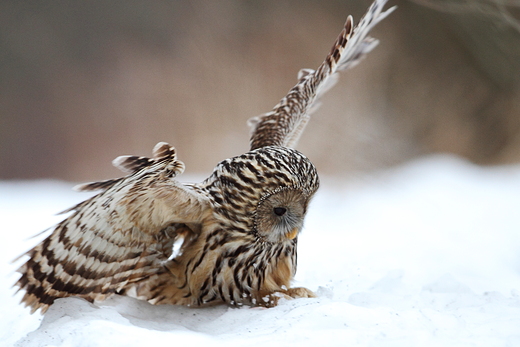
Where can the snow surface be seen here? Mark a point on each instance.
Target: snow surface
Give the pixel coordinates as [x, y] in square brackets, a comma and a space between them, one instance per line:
[426, 254]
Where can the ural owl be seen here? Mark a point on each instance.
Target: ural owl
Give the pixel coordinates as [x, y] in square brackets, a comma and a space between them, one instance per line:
[239, 228]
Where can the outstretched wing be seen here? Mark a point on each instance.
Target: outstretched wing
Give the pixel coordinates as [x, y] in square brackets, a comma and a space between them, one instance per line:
[117, 237]
[285, 123]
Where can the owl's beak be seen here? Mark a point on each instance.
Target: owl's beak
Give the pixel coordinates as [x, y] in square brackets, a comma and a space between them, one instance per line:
[292, 234]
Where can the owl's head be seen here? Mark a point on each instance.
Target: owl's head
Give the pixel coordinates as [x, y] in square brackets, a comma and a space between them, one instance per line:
[265, 191]
[279, 215]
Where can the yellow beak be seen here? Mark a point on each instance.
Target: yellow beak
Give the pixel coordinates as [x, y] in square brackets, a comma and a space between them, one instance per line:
[292, 234]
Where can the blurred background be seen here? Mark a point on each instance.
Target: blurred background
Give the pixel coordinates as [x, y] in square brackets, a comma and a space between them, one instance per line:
[82, 82]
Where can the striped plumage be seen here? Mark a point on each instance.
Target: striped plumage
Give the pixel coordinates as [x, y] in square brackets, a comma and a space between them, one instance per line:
[238, 228]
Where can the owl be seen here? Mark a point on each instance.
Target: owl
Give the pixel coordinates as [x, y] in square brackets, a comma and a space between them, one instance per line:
[236, 232]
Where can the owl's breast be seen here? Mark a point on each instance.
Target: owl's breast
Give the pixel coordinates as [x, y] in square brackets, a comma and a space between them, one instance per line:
[221, 267]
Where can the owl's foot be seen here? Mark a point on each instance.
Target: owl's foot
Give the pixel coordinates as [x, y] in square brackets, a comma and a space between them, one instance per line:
[271, 299]
[300, 292]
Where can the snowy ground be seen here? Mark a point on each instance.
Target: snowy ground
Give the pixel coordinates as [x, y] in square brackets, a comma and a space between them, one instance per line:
[427, 254]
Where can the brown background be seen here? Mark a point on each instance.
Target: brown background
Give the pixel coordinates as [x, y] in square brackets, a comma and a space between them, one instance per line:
[82, 82]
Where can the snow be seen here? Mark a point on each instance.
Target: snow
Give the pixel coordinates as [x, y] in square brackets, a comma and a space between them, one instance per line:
[425, 254]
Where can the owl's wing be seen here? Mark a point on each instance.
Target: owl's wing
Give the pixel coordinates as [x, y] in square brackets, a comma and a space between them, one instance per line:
[117, 237]
[285, 123]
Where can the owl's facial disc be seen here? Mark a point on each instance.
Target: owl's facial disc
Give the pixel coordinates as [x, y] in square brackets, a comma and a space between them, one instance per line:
[279, 216]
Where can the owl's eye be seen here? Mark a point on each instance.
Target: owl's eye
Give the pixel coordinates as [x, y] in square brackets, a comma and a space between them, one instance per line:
[279, 211]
